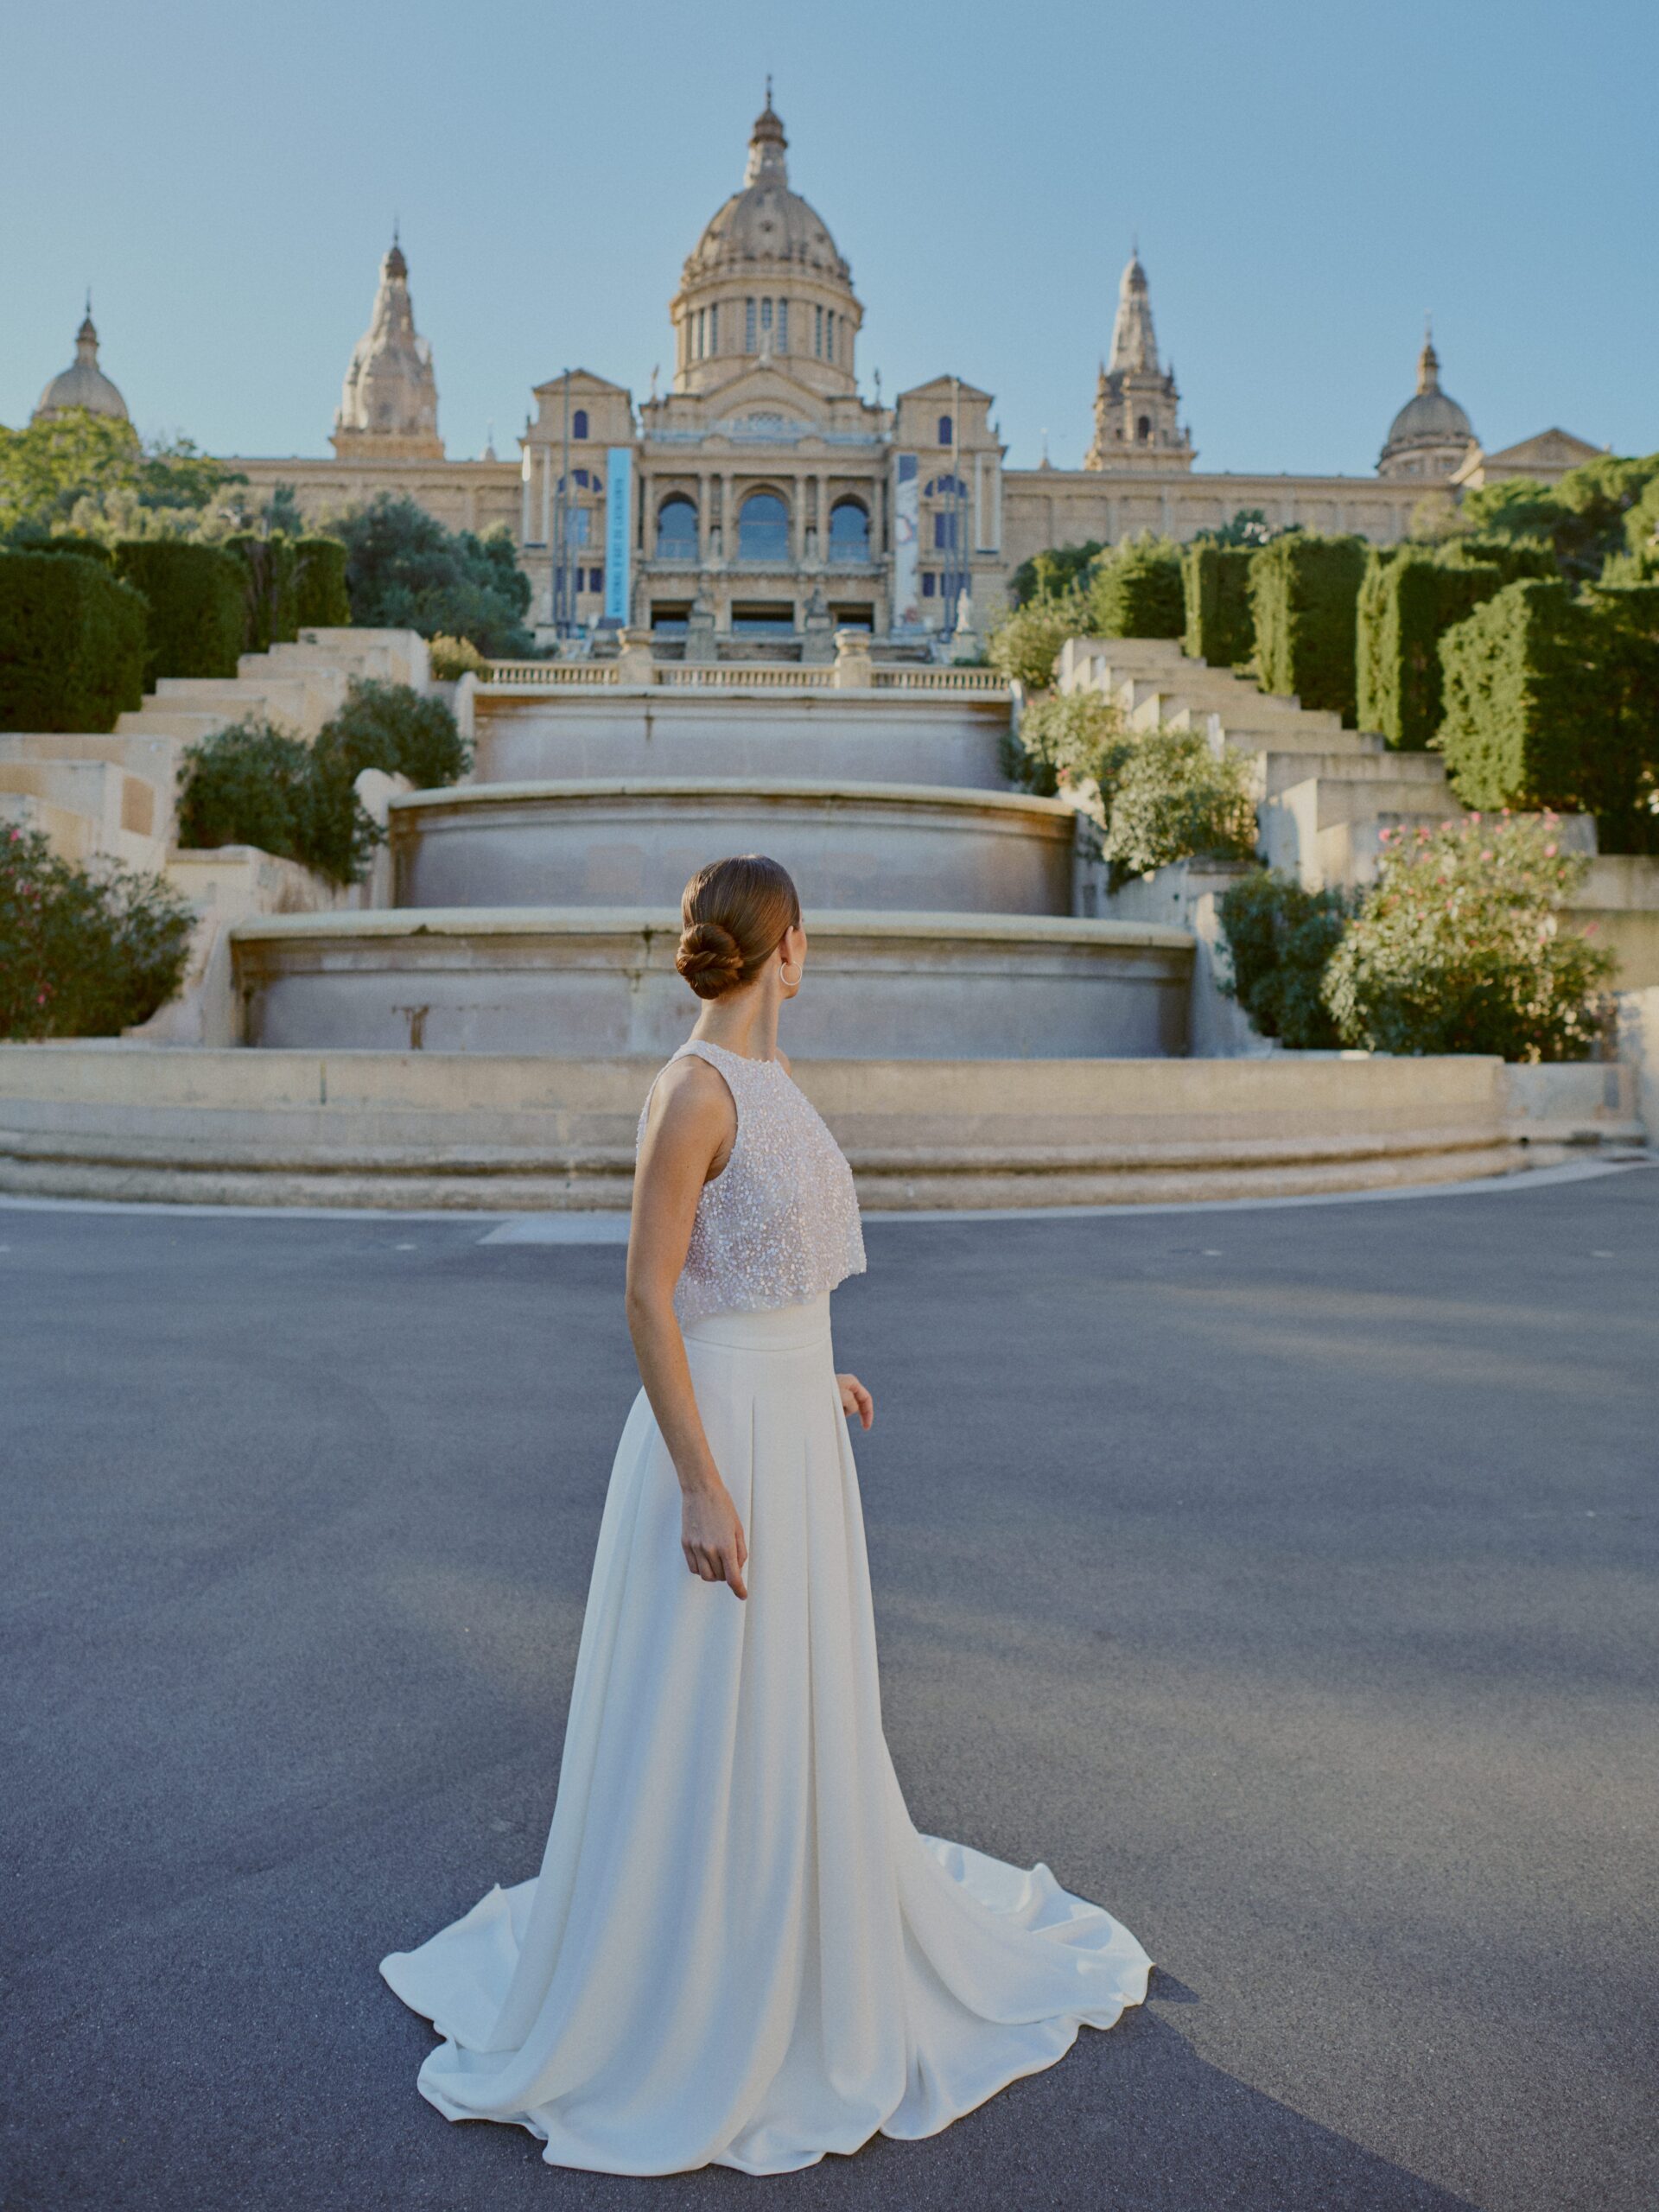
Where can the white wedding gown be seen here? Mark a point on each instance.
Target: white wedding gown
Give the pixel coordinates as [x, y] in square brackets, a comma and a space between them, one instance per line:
[738, 1950]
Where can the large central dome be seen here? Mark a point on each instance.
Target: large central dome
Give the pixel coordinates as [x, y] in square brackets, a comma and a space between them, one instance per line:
[765, 280]
[766, 221]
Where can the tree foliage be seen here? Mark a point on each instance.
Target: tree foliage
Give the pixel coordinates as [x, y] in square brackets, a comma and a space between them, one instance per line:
[86, 471]
[1052, 574]
[404, 570]
[1305, 595]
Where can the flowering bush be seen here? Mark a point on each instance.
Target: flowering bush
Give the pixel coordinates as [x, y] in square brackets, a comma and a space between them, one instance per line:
[454, 657]
[1459, 947]
[1026, 643]
[1070, 739]
[1173, 799]
[83, 951]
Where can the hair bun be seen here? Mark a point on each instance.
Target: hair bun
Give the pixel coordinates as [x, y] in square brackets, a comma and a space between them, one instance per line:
[710, 958]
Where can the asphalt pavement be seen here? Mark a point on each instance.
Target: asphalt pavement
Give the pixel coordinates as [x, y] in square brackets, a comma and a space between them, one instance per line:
[1285, 1577]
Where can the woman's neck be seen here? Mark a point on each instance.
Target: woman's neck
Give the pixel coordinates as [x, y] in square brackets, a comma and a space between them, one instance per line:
[744, 1021]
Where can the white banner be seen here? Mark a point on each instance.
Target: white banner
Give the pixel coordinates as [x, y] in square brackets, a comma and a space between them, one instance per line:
[906, 544]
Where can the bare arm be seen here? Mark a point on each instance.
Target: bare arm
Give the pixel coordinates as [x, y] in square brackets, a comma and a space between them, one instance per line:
[690, 1128]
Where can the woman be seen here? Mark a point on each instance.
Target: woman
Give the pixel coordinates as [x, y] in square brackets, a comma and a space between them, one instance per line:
[738, 1950]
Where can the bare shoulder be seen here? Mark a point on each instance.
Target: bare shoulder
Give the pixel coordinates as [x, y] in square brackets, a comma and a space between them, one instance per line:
[691, 1100]
[783, 1062]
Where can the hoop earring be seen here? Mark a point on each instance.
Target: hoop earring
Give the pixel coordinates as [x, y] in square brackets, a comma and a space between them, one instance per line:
[790, 982]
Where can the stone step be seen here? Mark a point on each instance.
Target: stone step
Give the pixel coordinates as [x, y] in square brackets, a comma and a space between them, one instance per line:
[113, 801]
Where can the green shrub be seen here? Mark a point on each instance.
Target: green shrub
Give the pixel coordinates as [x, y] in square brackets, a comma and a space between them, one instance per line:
[1304, 599]
[83, 951]
[1173, 800]
[1459, 947]
[1070, 739]
[321, 600]
[455, 656]
[194, 596]
[1407, 602]
[1026, 644]
[270, 599]
[1134, 591]
[1552, 699]
[253, 785]
[1514, 558]
[1220, 628]
[72, 644]
[389, 726]
[1280, 938]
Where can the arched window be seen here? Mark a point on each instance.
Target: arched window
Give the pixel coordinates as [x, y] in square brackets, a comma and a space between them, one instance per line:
[676, 529]
[1143, 429]
[579, 423]
[763, 528]
[849, 530]
[945, 430]
[944, 530]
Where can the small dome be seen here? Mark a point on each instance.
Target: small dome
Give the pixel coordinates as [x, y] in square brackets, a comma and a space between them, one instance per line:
[1431, 421]
[83, 384]
[766, 221]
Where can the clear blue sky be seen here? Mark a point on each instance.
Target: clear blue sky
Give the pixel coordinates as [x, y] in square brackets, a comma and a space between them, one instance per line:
[1307, 177]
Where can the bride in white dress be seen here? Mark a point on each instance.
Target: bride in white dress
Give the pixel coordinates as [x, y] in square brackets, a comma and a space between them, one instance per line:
[738, 1950]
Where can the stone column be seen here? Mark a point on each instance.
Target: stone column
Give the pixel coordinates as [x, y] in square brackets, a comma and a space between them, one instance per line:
[853, 665]
[705, 520]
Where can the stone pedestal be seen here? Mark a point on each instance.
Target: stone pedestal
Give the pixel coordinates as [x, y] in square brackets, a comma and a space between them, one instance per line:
[855, 671]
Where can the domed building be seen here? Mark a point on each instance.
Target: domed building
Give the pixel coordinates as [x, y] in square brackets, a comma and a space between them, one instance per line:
[389, 400]
[761, 501]
[1431, 436]
[83, 384]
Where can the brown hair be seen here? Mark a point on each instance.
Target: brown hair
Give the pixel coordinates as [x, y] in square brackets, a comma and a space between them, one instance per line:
[734, 917]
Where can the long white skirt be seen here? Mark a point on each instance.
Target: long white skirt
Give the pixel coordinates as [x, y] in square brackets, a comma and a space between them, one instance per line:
[738, 1950]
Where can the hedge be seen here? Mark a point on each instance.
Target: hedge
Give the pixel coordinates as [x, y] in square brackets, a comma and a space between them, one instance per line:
[1220, 628]
[321, 601]
[1407, 602]
[72, 644]
[196, 610]
[1552, 700]
[1304, 598]
[268, 595]
[1134, 591]
[88, 548]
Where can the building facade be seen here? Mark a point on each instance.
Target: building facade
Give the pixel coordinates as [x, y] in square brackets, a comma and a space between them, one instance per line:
[763, 497]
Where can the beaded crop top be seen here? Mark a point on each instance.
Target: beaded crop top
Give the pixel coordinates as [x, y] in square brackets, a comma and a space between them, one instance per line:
[779, 1223]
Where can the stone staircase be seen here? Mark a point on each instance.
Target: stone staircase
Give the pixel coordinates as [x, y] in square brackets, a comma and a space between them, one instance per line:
[113, 795]
[1323, 794]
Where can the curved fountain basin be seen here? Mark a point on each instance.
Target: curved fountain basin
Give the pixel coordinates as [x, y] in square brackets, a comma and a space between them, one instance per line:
[599, 982]
[907, 736]
[910, 848]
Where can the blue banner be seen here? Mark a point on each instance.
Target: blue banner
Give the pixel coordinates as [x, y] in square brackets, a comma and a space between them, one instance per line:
[619, 520]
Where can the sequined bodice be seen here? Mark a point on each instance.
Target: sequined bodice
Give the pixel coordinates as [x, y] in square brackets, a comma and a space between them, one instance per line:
[780, 1222]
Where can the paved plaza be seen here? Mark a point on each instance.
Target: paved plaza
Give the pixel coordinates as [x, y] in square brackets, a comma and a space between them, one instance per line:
[1284, 1576]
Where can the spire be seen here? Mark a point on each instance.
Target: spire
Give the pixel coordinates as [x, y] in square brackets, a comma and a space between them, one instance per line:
[766, 145]
[1428, 361]
[390, 393]
[1135, 346]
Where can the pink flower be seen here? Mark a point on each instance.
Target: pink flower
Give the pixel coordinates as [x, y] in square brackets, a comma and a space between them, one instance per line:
[1487, 854]
[1589, 928]
[1550, 851]
[1475, 815]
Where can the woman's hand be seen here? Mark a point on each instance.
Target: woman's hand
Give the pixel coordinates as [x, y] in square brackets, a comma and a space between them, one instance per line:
[711, 1536]
[856, 1399]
